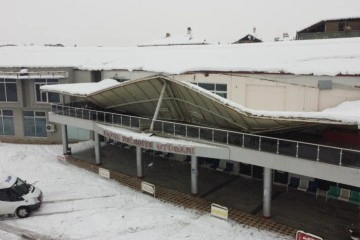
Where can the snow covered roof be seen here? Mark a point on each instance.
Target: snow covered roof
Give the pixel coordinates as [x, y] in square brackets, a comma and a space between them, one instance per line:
[318, 57]
[187, 39]
[185, 102]
[7, 181]
[350, 18]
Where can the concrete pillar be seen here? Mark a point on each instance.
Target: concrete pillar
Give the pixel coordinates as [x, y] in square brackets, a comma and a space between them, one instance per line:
[64, 136]
[236, 169]
[97, 148]
[267, 193]
[222, 164]
[194, 175]
[139, 162]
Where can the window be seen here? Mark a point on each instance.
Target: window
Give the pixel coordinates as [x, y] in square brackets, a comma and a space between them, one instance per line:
[217, 88]
[34, 124]
[8, 195]
[46, 97]
[7, 123]
[8, 90]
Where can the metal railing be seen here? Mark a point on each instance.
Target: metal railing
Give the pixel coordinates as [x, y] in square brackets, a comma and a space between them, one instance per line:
[297, 149]
[33, 75]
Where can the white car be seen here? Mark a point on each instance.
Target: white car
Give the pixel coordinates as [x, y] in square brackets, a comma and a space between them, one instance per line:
[18, 197]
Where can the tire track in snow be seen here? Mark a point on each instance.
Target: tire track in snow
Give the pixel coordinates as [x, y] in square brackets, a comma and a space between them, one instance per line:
[23, 233]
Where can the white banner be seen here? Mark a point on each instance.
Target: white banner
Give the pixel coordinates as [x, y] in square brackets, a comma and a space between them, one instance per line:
[104, 172]
[148, 188]
[219, 211]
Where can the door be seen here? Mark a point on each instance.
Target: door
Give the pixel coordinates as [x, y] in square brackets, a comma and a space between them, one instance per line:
[9, 201]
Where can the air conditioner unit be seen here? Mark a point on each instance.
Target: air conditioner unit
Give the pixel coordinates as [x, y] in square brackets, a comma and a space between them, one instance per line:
[50, 127]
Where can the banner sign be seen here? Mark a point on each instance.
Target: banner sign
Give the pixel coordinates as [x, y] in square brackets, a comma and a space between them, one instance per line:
[62, 158]
[104, 172]
[148, 188]
[219, 211]
[158, 146]
[301, 235]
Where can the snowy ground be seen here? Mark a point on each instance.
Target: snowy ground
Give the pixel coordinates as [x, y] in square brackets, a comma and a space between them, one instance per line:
[82, 205]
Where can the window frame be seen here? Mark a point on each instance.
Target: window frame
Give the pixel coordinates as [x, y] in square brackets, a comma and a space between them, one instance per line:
[35, 116]
[2, 125]
[215, 91]
[5, 82]
[38, 82]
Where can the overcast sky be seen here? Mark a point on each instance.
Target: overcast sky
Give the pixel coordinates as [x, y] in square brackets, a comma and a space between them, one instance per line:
[133, 22]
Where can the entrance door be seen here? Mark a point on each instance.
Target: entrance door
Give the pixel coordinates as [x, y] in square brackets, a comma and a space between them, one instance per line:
[281, 177]
[258, 172]
[245, 169]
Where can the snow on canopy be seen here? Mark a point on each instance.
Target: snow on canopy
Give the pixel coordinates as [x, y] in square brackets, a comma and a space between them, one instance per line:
[329, 57]
[347, 112]
[80, 89]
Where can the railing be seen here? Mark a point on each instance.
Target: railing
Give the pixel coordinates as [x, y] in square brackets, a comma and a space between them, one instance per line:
[297, 149]
[32, 75]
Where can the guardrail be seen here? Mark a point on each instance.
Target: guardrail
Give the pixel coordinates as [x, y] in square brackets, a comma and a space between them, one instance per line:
[32, 75]
[297, 149]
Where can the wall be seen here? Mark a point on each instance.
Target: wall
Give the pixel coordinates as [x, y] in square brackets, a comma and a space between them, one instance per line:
[124, 74]
[27, 101]
[256, 93]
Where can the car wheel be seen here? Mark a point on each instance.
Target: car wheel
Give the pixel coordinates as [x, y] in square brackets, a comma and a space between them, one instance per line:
[23, 212]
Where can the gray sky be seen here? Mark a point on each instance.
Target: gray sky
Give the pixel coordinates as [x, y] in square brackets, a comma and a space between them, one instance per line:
[132, 22]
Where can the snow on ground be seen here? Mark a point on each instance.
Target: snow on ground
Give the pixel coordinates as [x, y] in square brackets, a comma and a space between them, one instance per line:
[82, 205]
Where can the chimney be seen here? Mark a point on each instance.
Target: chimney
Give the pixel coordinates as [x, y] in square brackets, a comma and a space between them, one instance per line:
[254, 30]
[167, 35]
[189, 30]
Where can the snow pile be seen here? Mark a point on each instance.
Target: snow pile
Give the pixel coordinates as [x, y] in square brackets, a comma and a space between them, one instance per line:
[82, 205]
[318, 57]
[81, 89]
[175, 40]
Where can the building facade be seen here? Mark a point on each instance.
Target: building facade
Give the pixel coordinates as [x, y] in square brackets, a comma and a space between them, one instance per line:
[332, 28]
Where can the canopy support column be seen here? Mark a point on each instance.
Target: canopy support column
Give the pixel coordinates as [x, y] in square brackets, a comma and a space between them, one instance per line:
[194, 175]
[158, 107]
[267, 193]
[139, 162]
[97, 148]
[65, 142]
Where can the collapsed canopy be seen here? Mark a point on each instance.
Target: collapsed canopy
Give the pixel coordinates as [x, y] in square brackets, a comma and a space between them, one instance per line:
[185, 102]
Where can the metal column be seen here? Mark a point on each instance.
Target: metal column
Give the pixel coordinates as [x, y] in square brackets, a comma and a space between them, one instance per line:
[267, 193]
[139, 162]
[236, 169]
[194, 175]
[64, 136]
[97, 148]
[158, 106]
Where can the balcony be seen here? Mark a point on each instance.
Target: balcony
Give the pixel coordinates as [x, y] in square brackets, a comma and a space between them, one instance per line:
[295, 149]
[34, 75]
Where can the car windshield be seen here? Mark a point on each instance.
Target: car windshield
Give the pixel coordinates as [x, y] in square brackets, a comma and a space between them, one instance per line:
[21, 187]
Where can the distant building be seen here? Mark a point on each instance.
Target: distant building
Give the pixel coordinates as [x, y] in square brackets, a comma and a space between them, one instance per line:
[248, 39]
[169, 40]
[331, 28]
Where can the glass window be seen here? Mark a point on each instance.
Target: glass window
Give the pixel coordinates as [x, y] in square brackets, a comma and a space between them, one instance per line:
[217, 88]
[7, 123]
[8, 90]
[46, 97]
[34, 124]
[207, 86]
[2, 92]
[221, 87]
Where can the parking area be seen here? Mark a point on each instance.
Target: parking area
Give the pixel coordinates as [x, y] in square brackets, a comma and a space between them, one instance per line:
[301, 210]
